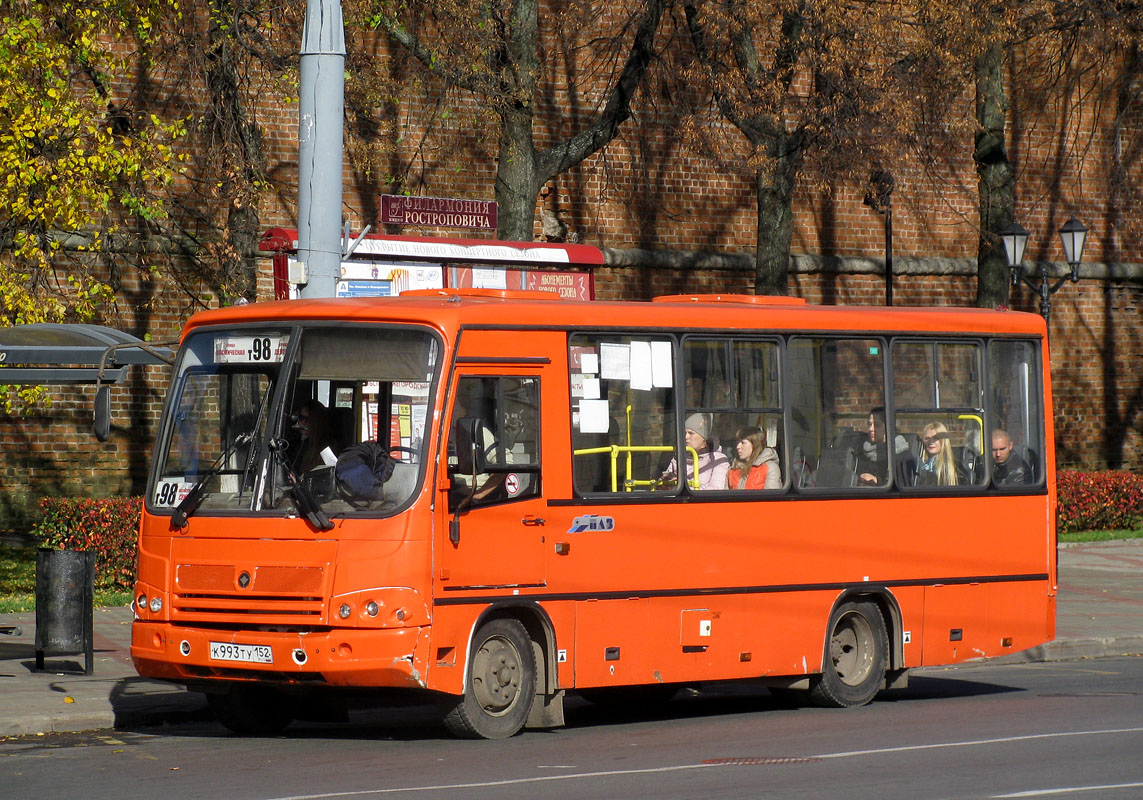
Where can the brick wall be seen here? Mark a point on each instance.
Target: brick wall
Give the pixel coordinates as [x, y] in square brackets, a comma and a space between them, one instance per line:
[659, 186]
[1096, 330]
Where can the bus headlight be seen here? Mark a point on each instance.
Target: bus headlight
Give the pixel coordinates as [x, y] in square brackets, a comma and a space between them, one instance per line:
[371, 608]
[141, 601]
[156, 605]
[344, 611]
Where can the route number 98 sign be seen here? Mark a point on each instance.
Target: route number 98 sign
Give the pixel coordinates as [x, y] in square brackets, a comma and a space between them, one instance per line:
[249, 349]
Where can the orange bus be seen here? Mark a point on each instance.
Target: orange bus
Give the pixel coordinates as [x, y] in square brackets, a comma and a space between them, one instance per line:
[501, 496]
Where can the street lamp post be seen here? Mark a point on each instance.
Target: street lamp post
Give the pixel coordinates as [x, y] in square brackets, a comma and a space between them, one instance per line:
[880, 199]
[1072, 236]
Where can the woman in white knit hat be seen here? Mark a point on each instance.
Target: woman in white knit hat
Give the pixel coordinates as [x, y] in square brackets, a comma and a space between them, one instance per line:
[712, 462]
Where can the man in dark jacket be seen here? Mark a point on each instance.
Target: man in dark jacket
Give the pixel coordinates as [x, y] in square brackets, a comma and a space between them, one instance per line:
[873, 460]
[1008, 469]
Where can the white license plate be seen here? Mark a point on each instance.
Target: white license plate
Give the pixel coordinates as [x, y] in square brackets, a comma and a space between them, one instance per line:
[249, 653]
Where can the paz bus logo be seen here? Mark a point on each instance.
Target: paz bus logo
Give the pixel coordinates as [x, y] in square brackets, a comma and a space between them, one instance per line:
[591, 522]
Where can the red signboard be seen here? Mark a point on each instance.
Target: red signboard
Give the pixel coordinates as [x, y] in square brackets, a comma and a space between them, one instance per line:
[569, 285]
[437, 212]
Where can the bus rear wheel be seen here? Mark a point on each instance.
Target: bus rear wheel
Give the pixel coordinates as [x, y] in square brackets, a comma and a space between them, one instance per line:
[252, 710]
[856, 657]
[500, 685]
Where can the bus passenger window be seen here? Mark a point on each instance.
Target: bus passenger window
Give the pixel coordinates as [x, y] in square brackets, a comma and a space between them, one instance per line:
[835, 386]
[624, 428]
[1015, 416]
[938, 399]
[734, 382]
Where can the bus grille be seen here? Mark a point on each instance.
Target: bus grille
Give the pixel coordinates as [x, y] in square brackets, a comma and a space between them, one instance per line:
[273, 595]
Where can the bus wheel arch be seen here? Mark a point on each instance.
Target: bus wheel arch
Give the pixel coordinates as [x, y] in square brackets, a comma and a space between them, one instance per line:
[856, 655]
[894, 625]
[510, 679]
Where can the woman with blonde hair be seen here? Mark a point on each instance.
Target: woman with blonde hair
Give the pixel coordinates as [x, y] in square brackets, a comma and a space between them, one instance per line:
[938, 465]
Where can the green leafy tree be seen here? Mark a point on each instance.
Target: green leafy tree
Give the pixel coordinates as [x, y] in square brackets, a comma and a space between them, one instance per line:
[78, 169]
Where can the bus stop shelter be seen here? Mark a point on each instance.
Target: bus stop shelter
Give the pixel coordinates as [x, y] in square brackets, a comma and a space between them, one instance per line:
[57, 353]
[382, 265]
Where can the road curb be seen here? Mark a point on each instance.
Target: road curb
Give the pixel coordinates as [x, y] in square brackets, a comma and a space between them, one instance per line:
[63, 722]
[1075, 649]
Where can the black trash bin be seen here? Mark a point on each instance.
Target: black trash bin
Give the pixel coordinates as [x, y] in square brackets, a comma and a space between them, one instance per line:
[65, 583]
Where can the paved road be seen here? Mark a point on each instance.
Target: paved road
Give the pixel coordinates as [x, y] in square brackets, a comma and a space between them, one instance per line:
[1099, 613]
[1015, 730]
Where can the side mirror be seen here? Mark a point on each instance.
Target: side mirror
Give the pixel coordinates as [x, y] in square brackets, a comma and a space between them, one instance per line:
[476, 436]
[469, 461]
[102, 416]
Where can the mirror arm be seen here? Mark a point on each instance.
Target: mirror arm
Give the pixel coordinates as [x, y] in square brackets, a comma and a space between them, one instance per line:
[101, 422]
[454, 523]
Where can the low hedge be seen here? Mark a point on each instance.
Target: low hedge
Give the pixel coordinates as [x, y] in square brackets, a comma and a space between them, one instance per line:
[1088, 501]
[109, 527]
[1095, 501]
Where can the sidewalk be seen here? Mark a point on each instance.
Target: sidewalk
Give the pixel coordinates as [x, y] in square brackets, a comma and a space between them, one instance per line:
[1100, 613]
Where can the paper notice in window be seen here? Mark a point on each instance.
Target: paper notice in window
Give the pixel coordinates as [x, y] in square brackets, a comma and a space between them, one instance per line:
[591, 388]
[615, 361]
[489, 278]
[662, 365]
[641, 366]
[589, 363]
[593, 416]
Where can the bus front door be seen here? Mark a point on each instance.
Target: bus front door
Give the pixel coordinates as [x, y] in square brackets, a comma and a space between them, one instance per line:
[494, 535]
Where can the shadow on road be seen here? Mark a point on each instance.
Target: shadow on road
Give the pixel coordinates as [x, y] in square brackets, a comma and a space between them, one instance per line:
[414, 717]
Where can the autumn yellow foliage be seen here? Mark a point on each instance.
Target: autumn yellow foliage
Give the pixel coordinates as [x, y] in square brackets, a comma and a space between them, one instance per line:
[74, 165]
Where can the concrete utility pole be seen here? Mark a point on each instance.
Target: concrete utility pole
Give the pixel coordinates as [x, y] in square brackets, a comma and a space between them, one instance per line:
[320, 146]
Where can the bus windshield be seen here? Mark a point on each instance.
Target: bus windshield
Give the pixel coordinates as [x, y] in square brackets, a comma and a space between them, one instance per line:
[253, 412]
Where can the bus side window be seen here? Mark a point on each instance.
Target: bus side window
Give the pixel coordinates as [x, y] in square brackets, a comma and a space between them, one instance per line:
[493, 450]
[834, 384]
[938, 394]
[736, 383]
[1014, 414]
[624, 422]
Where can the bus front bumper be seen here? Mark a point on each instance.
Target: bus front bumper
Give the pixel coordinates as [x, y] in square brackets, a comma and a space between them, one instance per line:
[391, 657]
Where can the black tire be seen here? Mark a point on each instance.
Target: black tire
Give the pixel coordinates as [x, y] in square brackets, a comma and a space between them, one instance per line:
[500, 684]
[252, 710]
[856, 657]
[631, 698]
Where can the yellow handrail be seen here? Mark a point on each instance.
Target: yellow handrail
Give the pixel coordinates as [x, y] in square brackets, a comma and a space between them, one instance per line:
[629, 481]
[979, 424]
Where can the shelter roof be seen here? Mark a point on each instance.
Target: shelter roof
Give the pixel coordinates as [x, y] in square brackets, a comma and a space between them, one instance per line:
[58, 353]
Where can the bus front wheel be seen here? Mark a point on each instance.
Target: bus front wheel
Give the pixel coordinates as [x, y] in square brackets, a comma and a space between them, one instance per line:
[500, 686]
[856, 657]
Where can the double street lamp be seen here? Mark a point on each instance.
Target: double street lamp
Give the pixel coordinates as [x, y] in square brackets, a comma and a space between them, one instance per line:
[1072, 236]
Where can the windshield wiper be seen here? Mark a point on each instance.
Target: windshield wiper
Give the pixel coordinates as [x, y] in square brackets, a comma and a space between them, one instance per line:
[253, 452]
[198, 492]
[308, 505]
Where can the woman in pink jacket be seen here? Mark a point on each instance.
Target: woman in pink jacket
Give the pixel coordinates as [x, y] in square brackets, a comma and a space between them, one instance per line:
[712, 463]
